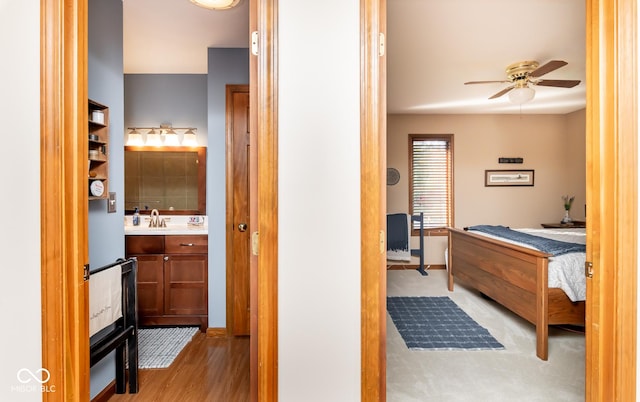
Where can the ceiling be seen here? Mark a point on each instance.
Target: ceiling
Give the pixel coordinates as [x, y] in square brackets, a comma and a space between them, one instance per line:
[434, 47]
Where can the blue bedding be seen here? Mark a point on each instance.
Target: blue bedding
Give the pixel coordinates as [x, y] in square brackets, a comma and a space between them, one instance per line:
[553, 247]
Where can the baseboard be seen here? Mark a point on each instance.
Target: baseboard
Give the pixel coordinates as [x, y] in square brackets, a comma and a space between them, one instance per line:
[414, 266]
[106, 393]
[216, 332]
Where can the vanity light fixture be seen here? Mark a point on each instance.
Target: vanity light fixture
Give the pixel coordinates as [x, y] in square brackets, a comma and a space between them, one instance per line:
[153, 138]
[170, 136]
[216, 4]
[164, 135]
[134, 138]
[189, 139]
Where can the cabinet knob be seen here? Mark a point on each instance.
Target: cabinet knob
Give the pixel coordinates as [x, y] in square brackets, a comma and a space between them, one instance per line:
[242, 227]
[166, 258]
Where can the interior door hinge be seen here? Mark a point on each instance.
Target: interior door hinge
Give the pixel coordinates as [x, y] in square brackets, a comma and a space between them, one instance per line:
[86, 272]
[588, 269]
[382, 241]
[255, 243]
[382, 44]
[254, 43]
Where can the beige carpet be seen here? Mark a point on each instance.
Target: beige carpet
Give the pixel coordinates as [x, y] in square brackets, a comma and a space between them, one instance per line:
[512, 374]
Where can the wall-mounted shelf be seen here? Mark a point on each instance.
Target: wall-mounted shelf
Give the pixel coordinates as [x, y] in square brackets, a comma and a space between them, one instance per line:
[98, 150]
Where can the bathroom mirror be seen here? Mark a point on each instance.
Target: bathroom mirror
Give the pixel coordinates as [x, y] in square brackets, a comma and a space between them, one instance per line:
[171, 180]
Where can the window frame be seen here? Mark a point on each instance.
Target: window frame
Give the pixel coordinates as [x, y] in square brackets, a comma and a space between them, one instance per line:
[434, 231]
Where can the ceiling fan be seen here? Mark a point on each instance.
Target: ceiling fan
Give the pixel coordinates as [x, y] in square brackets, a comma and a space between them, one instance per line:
[524, 74]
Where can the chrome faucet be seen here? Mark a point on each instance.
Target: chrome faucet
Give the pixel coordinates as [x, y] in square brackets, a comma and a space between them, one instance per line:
[155, 221]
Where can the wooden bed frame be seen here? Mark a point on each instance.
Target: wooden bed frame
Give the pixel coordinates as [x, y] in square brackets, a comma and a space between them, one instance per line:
[514, 276]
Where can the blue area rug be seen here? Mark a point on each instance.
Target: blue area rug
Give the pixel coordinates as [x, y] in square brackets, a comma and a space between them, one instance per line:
[437, 323]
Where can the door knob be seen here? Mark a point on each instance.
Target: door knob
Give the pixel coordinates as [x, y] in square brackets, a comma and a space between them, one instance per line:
[242, 227]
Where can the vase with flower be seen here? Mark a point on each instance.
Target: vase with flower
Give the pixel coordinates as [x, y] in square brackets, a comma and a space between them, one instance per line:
[568, 201]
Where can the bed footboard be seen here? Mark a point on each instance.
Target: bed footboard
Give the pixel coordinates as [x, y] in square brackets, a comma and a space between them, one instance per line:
[514, 276]
[122, 334]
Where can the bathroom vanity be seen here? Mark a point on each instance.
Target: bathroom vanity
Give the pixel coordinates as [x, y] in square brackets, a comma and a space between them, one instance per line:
[172, 280]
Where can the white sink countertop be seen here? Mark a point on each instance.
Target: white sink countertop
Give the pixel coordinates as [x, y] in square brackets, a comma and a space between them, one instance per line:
[176, 225]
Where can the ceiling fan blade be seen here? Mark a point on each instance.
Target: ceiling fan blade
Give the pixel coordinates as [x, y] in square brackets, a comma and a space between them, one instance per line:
[485, 82]
[547, 68]
[558, 83]
[504, 91]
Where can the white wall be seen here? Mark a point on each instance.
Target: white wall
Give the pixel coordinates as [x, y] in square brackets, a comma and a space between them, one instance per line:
[20, 181]
[319, 201]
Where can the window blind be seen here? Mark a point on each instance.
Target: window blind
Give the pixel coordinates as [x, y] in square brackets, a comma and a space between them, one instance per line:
[430, 181]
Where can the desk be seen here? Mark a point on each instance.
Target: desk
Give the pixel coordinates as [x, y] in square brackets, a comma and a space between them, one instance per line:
[574, 224]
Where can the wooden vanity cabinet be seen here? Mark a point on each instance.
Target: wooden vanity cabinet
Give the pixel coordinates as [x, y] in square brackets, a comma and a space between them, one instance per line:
[172, 279]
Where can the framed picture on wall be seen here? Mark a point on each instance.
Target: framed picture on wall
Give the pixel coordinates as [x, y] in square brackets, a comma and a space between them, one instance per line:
[501, 178]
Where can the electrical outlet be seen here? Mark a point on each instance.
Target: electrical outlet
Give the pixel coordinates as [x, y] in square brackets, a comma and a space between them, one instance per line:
[111, 203]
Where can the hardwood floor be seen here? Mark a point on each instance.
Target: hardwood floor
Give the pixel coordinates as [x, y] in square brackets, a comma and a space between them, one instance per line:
[208, 369]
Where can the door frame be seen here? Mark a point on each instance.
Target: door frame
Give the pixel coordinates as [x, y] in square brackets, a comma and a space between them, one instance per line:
[373, 201]
[611, 216]
[612, 204]
[265, 324]
[64, 197]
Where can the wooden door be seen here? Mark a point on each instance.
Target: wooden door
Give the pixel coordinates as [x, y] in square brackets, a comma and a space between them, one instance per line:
[238, 190]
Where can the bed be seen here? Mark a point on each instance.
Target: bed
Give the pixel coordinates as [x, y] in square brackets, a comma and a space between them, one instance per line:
[516, 276]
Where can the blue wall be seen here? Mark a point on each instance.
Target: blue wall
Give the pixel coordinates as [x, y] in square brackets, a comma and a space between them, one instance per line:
[106, 231]
[226, 67]
[178, 99]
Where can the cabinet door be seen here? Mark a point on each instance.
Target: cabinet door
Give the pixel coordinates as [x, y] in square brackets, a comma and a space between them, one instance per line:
[185, 284]
[150, 285]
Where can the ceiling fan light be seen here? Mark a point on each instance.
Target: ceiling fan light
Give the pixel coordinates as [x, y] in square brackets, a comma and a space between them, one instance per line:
[216, 4]
[521, 95]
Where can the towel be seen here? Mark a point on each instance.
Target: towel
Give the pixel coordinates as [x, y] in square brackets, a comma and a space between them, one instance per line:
[398, 227]
[105, 298]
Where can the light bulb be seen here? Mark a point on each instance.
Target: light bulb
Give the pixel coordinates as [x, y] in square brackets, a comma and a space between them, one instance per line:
[521, 95]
